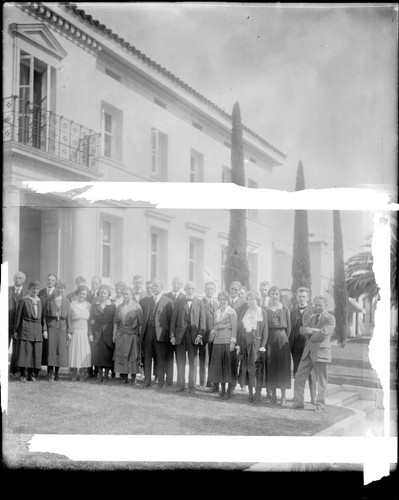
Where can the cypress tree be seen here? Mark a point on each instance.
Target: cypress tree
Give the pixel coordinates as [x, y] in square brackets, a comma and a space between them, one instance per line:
[340, 291]
[300, 255]
[236, 264]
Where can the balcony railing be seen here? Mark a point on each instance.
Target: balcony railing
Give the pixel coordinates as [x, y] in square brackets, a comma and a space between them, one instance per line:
[38, 128]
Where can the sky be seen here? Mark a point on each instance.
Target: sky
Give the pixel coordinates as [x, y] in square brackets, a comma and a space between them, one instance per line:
[319, 83]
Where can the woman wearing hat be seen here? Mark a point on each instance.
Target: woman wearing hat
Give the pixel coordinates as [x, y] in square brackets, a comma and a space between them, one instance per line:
[102, 325]
[55, 329]
[28, 328]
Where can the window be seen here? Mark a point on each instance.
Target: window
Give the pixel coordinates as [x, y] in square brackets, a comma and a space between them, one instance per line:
[111, 132]
[106, 242]
[226, 174]
[253, 213]
[158, 253]
[111, 257]
[160, 103]
[34, 89]
[113, 75]
[196, 166]
[253, 268]
[222, 266]
[196, 261]
[159, 148]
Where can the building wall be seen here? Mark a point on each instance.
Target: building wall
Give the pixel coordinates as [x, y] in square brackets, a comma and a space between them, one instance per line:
[70, 241]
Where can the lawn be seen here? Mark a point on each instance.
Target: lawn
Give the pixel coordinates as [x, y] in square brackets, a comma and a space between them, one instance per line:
[110, 408]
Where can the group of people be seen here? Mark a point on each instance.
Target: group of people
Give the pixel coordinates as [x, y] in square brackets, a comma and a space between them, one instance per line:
[247, 337]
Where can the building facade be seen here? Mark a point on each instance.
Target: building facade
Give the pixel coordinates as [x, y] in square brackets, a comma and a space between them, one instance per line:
[82, 104]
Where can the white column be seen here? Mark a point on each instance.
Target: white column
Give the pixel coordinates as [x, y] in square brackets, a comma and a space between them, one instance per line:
[11, 203]
[84, 243]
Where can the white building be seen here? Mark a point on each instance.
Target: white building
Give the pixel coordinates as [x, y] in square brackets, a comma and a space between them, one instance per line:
[82, 104]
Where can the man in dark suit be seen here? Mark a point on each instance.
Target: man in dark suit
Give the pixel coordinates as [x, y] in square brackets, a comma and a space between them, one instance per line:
[316, 353]
[48, 291]
[174, 295]
[79, 281]
[210, 306]
[186, 333]
[300, 316]
[92, 296]
[157, 314]
[264, 287]
[15, 294]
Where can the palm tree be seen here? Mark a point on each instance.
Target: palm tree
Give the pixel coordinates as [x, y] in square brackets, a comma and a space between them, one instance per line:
[359, 275]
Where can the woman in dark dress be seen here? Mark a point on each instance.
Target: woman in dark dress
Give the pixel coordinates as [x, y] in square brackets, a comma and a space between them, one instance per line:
[278, 347]
[55, 329]
[251, 339]
[127, 331]
[28, 327]
[102, 324]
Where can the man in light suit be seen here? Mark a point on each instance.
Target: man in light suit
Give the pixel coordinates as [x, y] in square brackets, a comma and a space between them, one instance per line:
[300, 315]
[316, 353]
[157, 314]
[186, 333]
[210, 305]
[15, 294]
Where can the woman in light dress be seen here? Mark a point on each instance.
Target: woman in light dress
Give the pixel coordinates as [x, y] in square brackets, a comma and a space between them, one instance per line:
[126, 336]
[79, 335]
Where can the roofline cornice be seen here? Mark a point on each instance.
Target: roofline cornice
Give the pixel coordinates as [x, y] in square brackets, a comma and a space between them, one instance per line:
[61, 25]
[77, 35]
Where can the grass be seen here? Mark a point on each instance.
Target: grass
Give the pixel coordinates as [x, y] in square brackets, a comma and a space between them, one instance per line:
[113, 409]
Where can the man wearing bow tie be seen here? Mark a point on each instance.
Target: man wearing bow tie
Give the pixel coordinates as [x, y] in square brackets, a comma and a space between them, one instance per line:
[210, 306]
[138, 290]
[300, 316]
[186, 334]
[15, 294]
[316, 353]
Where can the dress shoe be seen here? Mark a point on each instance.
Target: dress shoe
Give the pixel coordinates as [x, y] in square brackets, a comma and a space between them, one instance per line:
[191, 390]
[220, 395]
[250, 398]
[22, 379]
[32, 379]
[297, 406]
[146, 386]
[50, 378]
[56, 377]
[256, 399]
[214, 389]
[13, 375]
[313, 402]
[202, 388]
[124, 381]
[227, 396]
[283, 402]
[319, 408]
[179, 389]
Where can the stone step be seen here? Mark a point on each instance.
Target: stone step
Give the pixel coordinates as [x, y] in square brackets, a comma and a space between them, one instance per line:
[367, 407]
[342, 398]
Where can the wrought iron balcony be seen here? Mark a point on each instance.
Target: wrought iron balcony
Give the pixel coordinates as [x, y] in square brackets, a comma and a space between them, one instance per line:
[39, 128]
